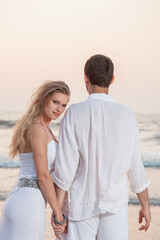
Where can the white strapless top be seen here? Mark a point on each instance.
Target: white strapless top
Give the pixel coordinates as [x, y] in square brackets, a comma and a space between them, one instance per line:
[27, 165]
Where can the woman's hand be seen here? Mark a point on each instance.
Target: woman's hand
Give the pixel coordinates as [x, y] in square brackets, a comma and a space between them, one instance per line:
[58, 229]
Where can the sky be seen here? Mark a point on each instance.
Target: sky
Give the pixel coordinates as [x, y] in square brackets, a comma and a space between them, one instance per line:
[51, 40]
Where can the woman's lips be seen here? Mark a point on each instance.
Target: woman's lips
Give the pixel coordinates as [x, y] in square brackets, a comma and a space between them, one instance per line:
[56, 114]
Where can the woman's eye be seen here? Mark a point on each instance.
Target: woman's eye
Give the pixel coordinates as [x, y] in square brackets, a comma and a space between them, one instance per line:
[64, 105]
[55, 102]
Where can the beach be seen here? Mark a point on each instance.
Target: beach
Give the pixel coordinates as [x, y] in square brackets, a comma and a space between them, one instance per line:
[149, 129]
[152, 234]
[8, 179]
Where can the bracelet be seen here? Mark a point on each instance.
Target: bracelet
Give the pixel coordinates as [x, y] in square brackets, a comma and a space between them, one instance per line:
[59, 223]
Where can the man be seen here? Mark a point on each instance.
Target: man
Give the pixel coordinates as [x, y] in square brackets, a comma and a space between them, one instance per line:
[98, 148]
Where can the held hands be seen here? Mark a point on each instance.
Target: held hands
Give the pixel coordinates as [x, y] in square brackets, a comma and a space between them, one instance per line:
[58, 229]
[144, 213]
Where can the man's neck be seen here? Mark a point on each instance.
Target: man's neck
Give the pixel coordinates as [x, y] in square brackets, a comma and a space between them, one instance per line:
[96, 89]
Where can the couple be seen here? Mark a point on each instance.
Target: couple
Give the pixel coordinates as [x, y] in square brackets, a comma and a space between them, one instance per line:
[98, 147]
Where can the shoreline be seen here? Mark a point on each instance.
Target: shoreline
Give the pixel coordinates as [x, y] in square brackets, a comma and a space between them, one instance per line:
[8, 180]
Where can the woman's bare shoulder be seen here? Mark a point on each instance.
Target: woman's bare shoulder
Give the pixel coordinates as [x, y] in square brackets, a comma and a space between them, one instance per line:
[39, 131]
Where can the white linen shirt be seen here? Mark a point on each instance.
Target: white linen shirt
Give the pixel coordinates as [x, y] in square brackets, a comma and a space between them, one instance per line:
[98, 147]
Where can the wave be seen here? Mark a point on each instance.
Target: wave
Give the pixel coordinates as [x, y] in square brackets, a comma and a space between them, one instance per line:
[9, 164]
[157, 137]
[2, 197]
[153, 138]
[16, 164]
[153, 201]
[10, 123]
[132, 201]
[7, 123]
[152, 164]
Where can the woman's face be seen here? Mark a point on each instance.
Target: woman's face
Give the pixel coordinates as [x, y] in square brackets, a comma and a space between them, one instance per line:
[55, 105]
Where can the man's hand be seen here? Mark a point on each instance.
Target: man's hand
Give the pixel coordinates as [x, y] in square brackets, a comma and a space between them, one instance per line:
[58, 229]
[145, 210]
[144, 213]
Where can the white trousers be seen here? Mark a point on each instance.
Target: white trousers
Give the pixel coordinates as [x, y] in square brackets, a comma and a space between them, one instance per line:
[23, 215]
[105, 226]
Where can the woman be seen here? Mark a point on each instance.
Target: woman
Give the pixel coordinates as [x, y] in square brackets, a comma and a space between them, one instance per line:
[23, 215]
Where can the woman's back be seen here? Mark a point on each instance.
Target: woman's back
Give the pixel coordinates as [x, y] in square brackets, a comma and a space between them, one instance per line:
[27, 165]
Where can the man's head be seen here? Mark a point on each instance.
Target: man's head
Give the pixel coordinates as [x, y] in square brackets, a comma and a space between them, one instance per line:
[99, 70]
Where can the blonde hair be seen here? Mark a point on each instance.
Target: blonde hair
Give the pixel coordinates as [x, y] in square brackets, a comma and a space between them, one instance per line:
[35, 110]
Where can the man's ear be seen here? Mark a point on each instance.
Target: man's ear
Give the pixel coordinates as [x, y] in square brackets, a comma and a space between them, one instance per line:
[86, 79]
[112, 79]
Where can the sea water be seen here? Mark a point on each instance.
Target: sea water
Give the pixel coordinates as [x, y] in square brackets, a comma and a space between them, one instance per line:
[149, 133]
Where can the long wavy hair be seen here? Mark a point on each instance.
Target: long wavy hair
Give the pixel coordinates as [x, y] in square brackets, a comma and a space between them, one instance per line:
[34, 111]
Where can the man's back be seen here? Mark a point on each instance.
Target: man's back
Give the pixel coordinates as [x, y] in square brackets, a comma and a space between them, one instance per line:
[100, 138]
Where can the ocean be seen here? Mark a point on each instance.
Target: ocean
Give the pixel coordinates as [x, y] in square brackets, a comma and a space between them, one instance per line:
[149, 132]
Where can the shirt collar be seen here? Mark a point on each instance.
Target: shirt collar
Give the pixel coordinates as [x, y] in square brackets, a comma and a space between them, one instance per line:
[100, 96]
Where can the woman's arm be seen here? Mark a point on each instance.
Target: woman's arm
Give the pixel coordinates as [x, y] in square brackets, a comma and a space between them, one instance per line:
[39, 143]
[60, 196]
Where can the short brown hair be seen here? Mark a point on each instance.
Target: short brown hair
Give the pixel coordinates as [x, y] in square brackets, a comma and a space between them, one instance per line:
[99, 69]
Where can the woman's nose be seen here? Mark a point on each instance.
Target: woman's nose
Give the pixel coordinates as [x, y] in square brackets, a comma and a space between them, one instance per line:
[58, 108]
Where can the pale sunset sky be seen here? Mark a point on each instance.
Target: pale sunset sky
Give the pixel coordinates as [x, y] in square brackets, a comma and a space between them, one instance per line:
[51, 40]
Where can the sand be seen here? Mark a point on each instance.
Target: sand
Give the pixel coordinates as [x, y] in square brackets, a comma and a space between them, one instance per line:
[8, 181]
[153, 232]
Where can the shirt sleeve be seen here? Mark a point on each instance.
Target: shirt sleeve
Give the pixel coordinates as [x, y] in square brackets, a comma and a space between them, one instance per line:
[67, 157]
[136, 173]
